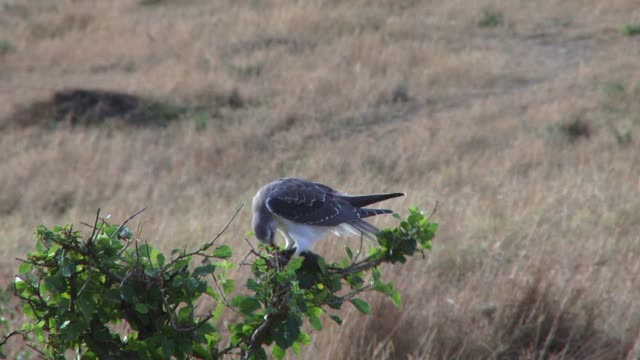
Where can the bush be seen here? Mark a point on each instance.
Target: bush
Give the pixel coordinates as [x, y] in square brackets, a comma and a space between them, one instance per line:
[631, 29]
[76, 293]
[490, 18]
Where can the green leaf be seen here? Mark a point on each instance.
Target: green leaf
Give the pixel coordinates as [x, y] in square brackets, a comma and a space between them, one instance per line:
[314, 314]
[142, 308]
[86, 305]
[56, 283]
[145, 250]
[168, 347]
[286, 334]
[110, 230]
[278, 352]
[40, 246]
[336, 318]
[227, 286]
[20, 286]
[128, 293]
[185, 314]
[246, 304]
[296, 348]
[53, 251]
[349, 253]
[414, 218]
[24, 267]
[361, 305]
[304, 338]
[258, 354]
[252, 285]
[295, 263]
[73, 330]
[334, 283]
[181, 264]
[204, 270]
[160, 259]
[395, 297]
[222, 252]
[68, 268]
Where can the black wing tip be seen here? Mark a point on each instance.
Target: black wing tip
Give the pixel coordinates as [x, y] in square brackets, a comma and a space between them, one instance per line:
[364, 200]
[365, 213]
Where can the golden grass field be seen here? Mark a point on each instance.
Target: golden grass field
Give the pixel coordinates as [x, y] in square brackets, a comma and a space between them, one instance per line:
[520, 118]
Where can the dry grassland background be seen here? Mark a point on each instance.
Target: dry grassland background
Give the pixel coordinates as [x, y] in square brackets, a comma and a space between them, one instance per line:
[521, 118]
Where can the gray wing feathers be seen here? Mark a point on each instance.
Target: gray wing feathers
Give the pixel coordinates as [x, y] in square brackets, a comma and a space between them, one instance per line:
[307, 203]
[311, 203]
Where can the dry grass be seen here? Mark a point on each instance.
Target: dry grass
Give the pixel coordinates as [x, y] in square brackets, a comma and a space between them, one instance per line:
[538, 248]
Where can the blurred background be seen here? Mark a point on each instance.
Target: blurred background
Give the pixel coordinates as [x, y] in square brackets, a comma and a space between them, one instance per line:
[520, 118]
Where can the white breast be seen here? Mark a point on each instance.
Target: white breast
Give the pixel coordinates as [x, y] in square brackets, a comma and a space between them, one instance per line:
[306, 236]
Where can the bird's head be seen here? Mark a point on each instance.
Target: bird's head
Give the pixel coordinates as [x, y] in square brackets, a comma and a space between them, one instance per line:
[264, 228]
[263, 224]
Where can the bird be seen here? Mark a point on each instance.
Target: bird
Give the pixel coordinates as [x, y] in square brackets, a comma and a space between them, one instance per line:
[305, 211]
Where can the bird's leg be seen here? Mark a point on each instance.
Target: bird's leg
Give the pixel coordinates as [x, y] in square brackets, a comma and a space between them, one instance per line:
[285, 255]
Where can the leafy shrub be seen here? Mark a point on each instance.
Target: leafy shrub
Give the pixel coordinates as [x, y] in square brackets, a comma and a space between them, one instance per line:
[6, 47]
[490, 18]
[76, 293]
[631, 29]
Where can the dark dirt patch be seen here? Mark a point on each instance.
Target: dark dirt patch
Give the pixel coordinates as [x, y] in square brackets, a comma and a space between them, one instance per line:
[84, 107]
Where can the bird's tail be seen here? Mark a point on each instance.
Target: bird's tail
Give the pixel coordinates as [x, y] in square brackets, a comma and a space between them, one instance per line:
[364, 200]
[365, 228]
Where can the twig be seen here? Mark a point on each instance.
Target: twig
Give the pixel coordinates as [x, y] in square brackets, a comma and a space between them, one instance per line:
[230, 348]
[42, 355]
[174, 322]
[10, 335]
[228, 224]
[127, 220]
[433, 212]
[95, 226]
[364, 265]
[355, 258]
[253, 251]
[206, 246]
[221, 292]
[148, 254]
[353, 293]
[88, 280]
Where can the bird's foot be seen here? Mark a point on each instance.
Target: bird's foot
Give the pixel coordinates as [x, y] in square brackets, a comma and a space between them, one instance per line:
[281, 257]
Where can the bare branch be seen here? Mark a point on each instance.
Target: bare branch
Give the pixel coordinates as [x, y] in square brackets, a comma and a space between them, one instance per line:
[95, 226]
[10, 335]
[128, 219]
[205, 247]
[364, 265]
[222, 295]
[40, 353]
[228, 224]
[433, 212]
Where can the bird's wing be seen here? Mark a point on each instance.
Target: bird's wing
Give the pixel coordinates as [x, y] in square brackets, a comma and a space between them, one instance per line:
[309, 203]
